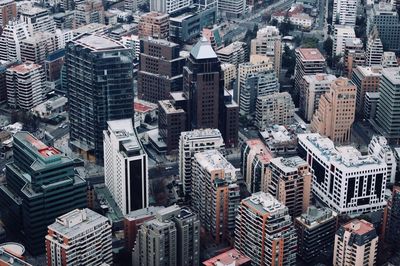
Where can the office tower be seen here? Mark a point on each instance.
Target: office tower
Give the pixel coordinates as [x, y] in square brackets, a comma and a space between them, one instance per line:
[79, 237]
[169, 6]
[229, 72]
[354, 55]
[43, 177]
[192, 142]
[64, 20]
[341, 34]
[229, 120]
[370, 105]
[215, 193]
[133, 42]
[366, 79]
[345, 12]
[160, 70]
[314, 86]
[99, 70]
[264, 231]
[389, 59]
[25, 85]
[289, 181]
[232, 8]
[255, 158]
[208, 4]
[87, 12]
[235, 53]
[274, 109]
[256, 85]
[123, 150]
[388, 111]
[36, 48]
[171, 238]
[155, 25]
[8, 258]
[8, 11]
[336, 111]
[268, 42]
[374, 51]
[392, 218]
[339, 179]
[53, 65]
[37, 18]
[230, 257]
[309, 61]
[378, 147]
[356, 243]
[316, 230]
[10, 40]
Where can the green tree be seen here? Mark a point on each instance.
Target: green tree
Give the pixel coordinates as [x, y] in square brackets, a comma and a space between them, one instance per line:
[310, 42]
[288, 60]
[286, 26]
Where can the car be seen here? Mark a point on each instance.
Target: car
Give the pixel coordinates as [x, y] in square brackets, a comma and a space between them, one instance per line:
[168, 168]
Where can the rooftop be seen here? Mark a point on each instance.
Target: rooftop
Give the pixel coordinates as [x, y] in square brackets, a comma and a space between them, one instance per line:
[169, 107]
[108, 203]
[229, 258]
[203, 50]
[24, 67]
[9, 259]
[392, 74]
[212, 160]
[310, 54]
[28, 9]
[36, 146]
[202, 133]
[231, 48]
[98, 43]
[370, 71]
[359, 227]
[125, 133]
[316, 216]
[142, 213]
[320, 78]
[289, 164]
[143, 107]
[264, 203]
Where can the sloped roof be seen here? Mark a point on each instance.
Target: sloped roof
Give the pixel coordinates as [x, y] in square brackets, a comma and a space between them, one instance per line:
[203, 50]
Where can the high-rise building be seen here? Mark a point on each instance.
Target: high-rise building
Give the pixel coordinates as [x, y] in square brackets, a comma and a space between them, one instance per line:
[374, 51]
[289, 181]
[98, 70]
[336, 111]
[354, 55]
[9, 258]
[370, 105]
[43, 177]
[155, 25]
[316, 230]
[215, 193]
[314, 86]
[356, 243]
[37, 18]
[387, 110]
[339, 175]
[8, 11]
[229, 72]
[38, 47]
[169, 6]
[379, 148]
[160, 70]
[87, 12]
[268, 42]
[235, 53]
[171, 238]
[264, 231]
[345, 12]
[25, 85]
[192, 142]
[231, 8]
[10, 40]
[125, 166]
[392, 218]
[389, 59]
[341, 34]
[79, 237]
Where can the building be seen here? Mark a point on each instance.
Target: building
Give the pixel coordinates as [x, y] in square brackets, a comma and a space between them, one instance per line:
[229, 72]
[392, 218]
[155, 25]
[313, 87]
[264, 231]
[97, 64]
[53, 67]
[25, 85]
[354, 55]
[213, 35]
[235, 53]
[341, 34]
[215, 193]
[232, 8]
[87, 12]
[366, 79]
[316, 230]
[7, 258]
[336, 111]
[79, 237]
[280, 140]
[289, 181]
[374, 51]
[339, 179]
[171, 238]
[36, 18]
[123, 150]
[389, 59]
[379, 148]
[357, 242]
[274, 109]
[10, 40]
[309, 61]
[370, 105]
[345, 12]
[64, 20]
[192, 142]
[49, 108]
[8, 12]
[268, 42]
[230, 257]
[387, 110]
[36, 48]
[160, 70]
[43, 177]
[169, 6]
[133, 42]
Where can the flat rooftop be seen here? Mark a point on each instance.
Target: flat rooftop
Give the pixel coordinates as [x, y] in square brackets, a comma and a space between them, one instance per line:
[212, 160]
[359, 227]
[25, 67]
[231, 48]
[311, 54]
[169, 107]
[316, 216]
[98, 43]
[203, 133]
[9, 259]
[289, 164]
[264, 203]
[229, 258]
[320, 78]
[392, 74]
[370, 71]
[36, 146]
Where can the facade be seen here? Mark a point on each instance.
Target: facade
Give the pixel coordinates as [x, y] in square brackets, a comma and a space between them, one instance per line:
[370, 105]
[316, 230]
[192, 142]
[43, 177]
[79, 237]
[354, 55]
[155, 25]
[336, 111]
[87, 12]
[379, 148]
[215, 193]
[264, 231]
[374, 51]
[38, 47]
[357, 243]
[392, 214]
[169, 6]
[123, 150]
[10, 40]
[97, 66]
[345, 12]
[37, 18]
[232, 8]
[389, 59]
[229, 72]
[25, 86]
[235, 53]
[341, 34]
[8, 11]
[339, 175]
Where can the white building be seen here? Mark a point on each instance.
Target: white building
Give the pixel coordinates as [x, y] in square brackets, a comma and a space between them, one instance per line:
[125, 166]
[132, 41]
[389, 59]
[345, 12]
[169, 6]
[37, 19]
[340, 35]
[10, 40]
[379, 147]
[232, 8]
[343, 179]
[79, 237]
[374, 51]
[192, 142]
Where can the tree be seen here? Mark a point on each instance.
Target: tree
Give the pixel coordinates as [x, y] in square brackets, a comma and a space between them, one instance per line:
[328, 46]
[286, 26]
[288, 60]
[274, 22]
[310, 42]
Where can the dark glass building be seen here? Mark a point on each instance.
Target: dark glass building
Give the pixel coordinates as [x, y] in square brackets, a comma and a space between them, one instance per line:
[42, 184]
[99, 79]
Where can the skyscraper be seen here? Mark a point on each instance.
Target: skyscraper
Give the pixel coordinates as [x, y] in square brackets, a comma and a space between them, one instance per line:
[42, 177]
[154, 24]
[380, 148]
[374, 51]
[8, 11]
[392, 217]
[100, 89]
[125, 166]
[37, 18]
[232, 8]
[13, 33]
